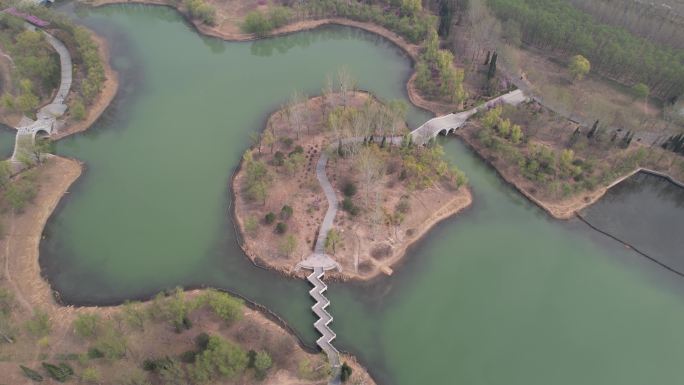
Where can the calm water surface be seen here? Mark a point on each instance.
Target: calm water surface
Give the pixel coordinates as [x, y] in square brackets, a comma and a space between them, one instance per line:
[499, 295]
[647, 211]
[6, 142]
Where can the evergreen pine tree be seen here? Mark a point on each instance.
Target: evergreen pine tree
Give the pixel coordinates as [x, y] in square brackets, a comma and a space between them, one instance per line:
[492, 66]
[594, 130]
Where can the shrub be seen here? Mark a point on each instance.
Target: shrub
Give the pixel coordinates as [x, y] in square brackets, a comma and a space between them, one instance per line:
[201, 10]
[278, 158]
[224, 305]
[91, 375]
[20, 192]
[39, 325]
[78, 109]
[403, 206]
[286, 212]
[349, 189]
[188, 356]
[59, 373]
[269, 218]
[294, 162]
[345, 372]
[288, 245]
[221, 359]
[262, 363]
[187, 323]
[261, 24]
[257, 23]
[31, 374]
[288, 142]
[6, 301]
[349, 206]
[112, 344]
[86, 325]
[297, 150]
[201, 341]
[157, 364]
[251, 357]
[281, 228]
[95, 353]
[251, 227]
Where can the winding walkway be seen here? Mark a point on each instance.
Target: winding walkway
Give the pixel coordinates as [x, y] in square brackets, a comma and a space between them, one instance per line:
[319, 262]
[47, 116]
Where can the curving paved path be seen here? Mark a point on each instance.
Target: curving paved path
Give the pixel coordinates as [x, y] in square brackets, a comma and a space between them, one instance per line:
[319, 259]
[47, 116]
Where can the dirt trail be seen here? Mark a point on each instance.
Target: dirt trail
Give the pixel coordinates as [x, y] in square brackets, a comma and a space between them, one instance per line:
[8, 243]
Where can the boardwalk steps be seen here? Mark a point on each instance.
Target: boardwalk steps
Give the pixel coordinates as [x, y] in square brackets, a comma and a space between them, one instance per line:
[324, 318]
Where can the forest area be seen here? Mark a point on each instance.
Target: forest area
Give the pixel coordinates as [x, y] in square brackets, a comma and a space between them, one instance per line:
[557, 26]
[657, 22]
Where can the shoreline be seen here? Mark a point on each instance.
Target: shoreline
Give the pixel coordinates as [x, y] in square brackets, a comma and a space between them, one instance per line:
[569, 208]
[238, 230]
[412, 51]
[20, 249]
[559, 211]
[93, 115]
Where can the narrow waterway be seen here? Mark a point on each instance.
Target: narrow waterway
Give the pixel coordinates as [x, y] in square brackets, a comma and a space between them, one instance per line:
[501, 294]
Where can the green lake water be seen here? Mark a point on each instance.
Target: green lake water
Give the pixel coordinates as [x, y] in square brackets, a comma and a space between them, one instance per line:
[6, 142]
[501, 294]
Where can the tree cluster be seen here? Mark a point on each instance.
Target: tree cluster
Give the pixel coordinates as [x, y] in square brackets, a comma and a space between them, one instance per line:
[613, 51]
[262, 23]
[503, 127]
[36, 66]
[436, 75]
[651, 20]
[675, 143]
[84, 51]
[18, 192]
[199, 9]
[425, 167]
[258, 178]
[405, 17]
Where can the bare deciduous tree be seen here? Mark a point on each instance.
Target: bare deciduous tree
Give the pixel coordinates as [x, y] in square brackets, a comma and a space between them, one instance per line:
[346, 84]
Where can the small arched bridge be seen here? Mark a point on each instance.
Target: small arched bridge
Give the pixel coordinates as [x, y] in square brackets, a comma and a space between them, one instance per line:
[447, 124]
